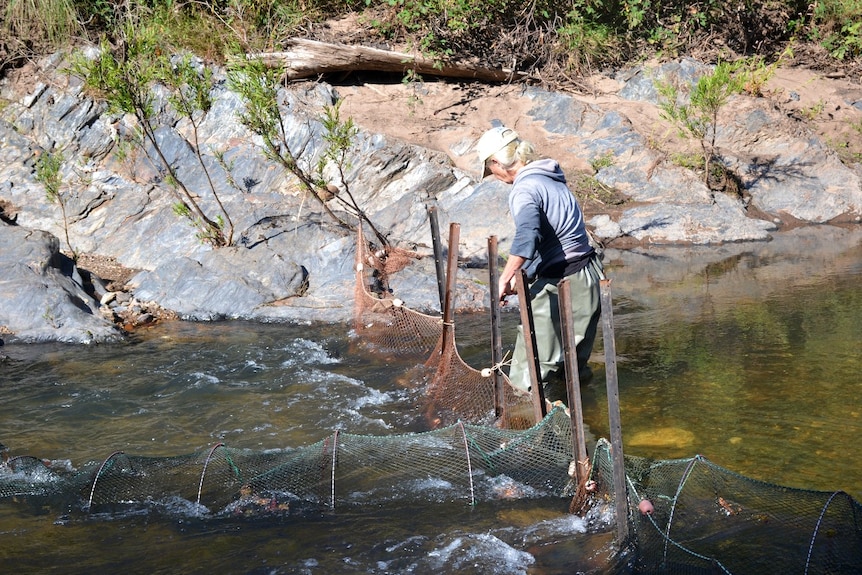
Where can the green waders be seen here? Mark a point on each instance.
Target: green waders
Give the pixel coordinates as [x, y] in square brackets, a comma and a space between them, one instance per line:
[586, 310]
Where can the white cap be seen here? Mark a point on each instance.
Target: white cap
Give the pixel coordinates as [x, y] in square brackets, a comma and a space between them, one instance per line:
[492, 142]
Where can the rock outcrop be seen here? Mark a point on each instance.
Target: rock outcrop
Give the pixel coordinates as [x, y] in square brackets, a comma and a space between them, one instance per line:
[289, 260]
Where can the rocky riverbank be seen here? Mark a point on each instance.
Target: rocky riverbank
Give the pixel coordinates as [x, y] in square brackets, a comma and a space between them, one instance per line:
[290, 262]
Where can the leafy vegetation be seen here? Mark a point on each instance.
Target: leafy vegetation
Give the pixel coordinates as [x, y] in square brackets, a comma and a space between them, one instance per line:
[141, 75]
[838, 27]
[125, 78]
[49, 166]
[604, 161]
[588, 188]
[339, 136]
[549, 40]
[258, 86]
[696, 113]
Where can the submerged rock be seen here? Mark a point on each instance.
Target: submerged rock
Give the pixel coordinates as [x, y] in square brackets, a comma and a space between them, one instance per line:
[664, 437]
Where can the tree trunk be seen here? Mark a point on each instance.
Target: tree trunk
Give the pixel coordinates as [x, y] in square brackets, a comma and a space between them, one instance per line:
[304, 58]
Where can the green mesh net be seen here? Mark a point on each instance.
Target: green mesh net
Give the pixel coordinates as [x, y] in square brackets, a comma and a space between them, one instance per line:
[707, 519]
[464, 462]
[704, 519]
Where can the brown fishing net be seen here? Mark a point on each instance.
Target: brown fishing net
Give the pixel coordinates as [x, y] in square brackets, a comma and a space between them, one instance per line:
[380, 321]
[459, 392]
[454, 390]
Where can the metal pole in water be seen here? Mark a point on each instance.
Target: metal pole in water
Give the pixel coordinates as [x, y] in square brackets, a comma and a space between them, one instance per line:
[573, 382]
[438, 255]
[496, 337]
[619, 471]
[539, 408]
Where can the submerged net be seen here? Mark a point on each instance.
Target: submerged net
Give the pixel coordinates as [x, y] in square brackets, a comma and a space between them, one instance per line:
[464, 462]
[706, 519]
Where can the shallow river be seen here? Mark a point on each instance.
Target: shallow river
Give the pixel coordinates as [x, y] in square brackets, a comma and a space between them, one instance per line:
[749, 355]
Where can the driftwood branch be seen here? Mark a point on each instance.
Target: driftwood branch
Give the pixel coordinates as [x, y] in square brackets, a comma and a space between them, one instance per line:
[304, 58]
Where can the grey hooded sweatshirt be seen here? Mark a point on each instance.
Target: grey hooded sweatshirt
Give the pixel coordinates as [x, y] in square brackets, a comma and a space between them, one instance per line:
[549, 223]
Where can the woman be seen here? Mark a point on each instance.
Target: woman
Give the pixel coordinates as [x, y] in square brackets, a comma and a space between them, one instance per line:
[550, 244]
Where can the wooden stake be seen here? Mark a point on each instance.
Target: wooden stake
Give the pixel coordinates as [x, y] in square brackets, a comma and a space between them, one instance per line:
[438, 256]
[619, 470]
[451, 273]
[573, 382]
[539, 408]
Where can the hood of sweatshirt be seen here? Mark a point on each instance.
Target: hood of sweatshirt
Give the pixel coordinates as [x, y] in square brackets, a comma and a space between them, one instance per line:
[545, 167]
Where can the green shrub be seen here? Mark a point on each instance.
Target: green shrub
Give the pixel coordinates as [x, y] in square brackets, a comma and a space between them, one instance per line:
[837, 24]
[698, 117]
[687, 160]
[48, 173]
[577, 36]
[125, 78]
[582, 44]
[257, 85]
[603, 161]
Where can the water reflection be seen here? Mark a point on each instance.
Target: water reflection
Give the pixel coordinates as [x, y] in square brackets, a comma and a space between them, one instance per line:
[752, 360]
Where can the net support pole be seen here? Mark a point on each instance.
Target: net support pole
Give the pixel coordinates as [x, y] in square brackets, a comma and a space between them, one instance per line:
[438, 255]
[451, 273]
[333, 467]
[619, 472]
[496, 338]
[469, 464]
[573, 383]
[539, 408]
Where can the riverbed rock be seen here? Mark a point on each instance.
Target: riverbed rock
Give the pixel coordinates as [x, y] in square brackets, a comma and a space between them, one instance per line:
[663, 437]
[42, 295]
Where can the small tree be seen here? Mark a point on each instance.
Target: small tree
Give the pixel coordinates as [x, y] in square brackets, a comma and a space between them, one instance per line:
[340, 136]
[125, 78]
[258, 85]
[191, 96]
[48, 167]
[699, 117]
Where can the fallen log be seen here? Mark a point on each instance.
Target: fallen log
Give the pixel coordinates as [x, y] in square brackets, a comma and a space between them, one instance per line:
[304, 58]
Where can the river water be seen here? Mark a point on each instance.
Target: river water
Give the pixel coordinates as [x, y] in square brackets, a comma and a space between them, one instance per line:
[746, 354]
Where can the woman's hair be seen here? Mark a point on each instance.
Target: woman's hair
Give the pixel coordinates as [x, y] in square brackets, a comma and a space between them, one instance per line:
[515, 151]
